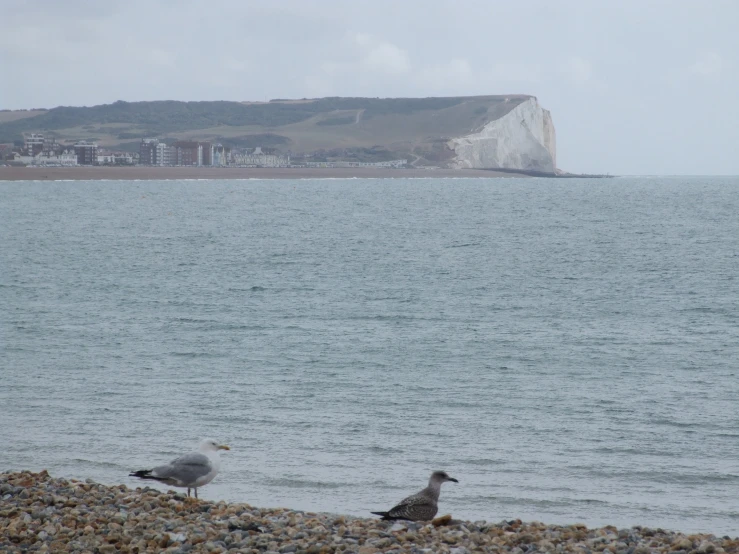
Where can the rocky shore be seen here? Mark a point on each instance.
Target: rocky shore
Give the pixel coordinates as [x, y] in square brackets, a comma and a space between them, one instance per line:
[39, 513]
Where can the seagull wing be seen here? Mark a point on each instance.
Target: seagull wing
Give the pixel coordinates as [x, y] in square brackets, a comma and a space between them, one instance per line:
[417, 507]
[185, 470]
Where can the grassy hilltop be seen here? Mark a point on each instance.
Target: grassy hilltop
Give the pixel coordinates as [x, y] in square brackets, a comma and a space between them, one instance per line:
[360, 128]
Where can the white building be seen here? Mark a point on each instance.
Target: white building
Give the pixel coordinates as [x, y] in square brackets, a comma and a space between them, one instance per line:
[260, 159]
[115, 158]
[166, 155]
[219, 155]
[67, 158]
[34, 144]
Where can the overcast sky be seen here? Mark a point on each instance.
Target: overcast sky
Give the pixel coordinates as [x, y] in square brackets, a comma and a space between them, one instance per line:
[634, 87]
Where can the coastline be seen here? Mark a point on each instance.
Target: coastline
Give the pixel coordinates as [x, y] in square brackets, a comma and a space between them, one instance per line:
[147, 173]
[39, 513]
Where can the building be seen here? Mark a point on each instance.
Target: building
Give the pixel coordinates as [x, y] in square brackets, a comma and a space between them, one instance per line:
[207, 153]
[189, 152]
[65, 158]
[220, 155]
[86, 152]
[154, 152]
[257, 158]
[36, 143]
[115, 158]
[52, 147]
[105, 158]
[147, 151]
[166, 155]
[123, 158]
[33, 144]
[6, 151]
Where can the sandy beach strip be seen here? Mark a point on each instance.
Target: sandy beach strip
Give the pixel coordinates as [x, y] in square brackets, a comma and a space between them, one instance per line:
[41, 514]
[95, 173]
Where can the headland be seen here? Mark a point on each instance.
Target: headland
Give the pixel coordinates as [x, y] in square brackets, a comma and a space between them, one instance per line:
[510, 131]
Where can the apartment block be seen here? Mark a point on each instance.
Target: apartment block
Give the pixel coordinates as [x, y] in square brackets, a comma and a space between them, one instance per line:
[86, 152]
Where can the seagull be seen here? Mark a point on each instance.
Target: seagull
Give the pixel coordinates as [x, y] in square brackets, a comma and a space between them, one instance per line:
[190, 471]
[421, 506]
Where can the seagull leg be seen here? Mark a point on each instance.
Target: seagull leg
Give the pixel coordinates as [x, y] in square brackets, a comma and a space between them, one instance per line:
[190, 499]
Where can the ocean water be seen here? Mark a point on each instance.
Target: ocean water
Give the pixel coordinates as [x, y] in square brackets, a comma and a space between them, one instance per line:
[567, 349]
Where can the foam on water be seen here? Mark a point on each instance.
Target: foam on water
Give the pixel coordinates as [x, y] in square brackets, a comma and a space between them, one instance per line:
[566, 348]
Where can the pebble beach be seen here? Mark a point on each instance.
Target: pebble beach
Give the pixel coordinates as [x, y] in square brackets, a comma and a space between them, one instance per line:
[40, 513]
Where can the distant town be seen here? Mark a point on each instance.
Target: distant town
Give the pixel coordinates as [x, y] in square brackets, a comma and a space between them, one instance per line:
[38, 150]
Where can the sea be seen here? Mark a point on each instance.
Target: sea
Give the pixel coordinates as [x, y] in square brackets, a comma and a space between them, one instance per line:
[568, 349]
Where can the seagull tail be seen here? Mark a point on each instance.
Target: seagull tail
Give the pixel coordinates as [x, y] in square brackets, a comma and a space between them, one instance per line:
[142, 474]
[385, 515]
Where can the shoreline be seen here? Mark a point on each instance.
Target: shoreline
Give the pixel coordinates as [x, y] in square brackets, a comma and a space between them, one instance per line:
[39, 513]
[146, 173]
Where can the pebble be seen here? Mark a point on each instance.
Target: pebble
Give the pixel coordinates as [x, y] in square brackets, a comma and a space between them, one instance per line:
[39, 513]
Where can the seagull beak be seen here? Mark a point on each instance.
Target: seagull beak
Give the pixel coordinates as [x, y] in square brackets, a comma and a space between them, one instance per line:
[453, 479]
[223, 447]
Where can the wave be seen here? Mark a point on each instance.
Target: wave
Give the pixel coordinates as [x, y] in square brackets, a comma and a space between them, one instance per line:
[193, 320]
[464, 245]
[383, 450]
[485, 462]
[533, 502]
[197, 354]
[94, 463]
[287, 482]
[678, 424]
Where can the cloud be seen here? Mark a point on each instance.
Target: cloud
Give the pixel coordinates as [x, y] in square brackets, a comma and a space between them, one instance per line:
[445, 77]
[381, 56]
[365, 60]
[707, 64]
[388, 58]
[363, 39]
[235, 65]
[159, 56]
[459, 68]
[578, 69]
[316, 86]
[514, 72]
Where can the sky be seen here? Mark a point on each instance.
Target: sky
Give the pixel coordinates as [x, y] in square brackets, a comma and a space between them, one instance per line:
[634, 87]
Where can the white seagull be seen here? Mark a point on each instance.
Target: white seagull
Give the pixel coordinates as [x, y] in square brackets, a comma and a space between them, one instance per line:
[190, 471]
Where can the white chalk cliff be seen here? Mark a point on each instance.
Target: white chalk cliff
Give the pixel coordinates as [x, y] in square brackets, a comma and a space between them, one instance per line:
[522, 139]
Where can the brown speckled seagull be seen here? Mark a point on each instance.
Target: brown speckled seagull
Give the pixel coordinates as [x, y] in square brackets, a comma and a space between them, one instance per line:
[421, 506]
